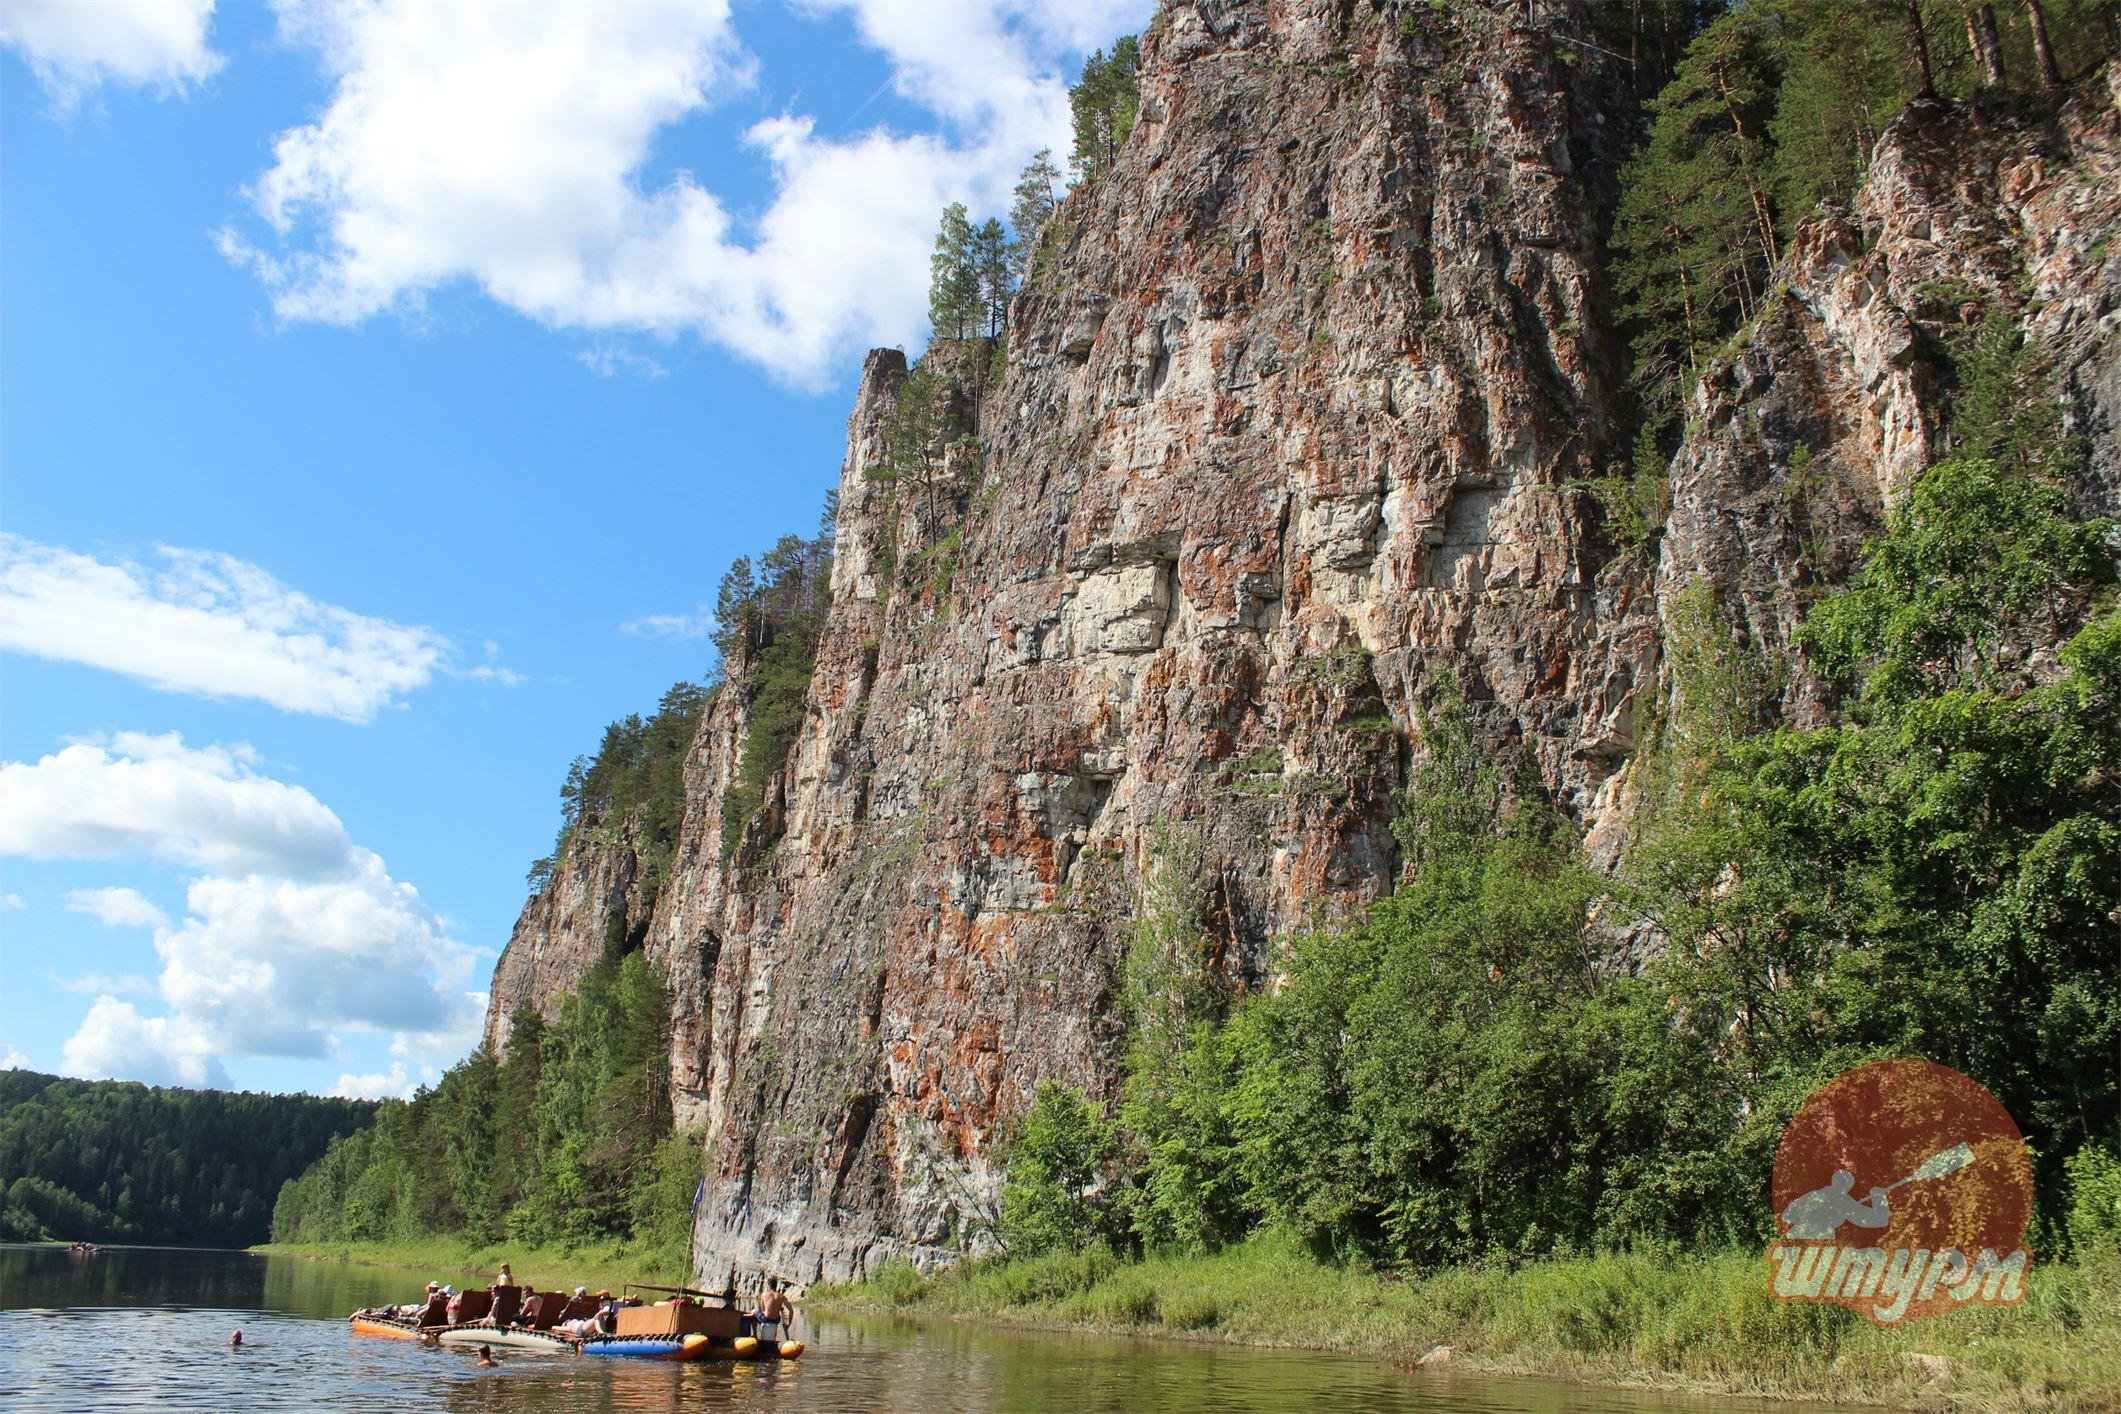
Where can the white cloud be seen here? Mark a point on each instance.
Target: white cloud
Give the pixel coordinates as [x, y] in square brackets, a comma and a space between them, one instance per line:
[504, 146]
[395, 1085]
[12, 1059]
[273, 967]
[96, 983]
[210, 624]
[115, 1042]
[116, 908]
[73, 46]
[13, 901]
[295, 936]
[697, 624]
[608, 360]
[154, 797]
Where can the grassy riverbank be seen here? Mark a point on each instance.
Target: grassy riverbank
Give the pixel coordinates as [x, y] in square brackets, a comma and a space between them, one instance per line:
[598, 1266]
[1704, 1322]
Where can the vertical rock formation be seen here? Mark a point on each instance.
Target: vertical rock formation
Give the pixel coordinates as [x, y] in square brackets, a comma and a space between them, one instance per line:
[1299, 407]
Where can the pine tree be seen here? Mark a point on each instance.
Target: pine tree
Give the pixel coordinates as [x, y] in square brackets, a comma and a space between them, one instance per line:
[1695, 226]
[991, 269]
[1033, 206]
[1104, 104]
[953, 277]
[1844, 75]
[734, 605]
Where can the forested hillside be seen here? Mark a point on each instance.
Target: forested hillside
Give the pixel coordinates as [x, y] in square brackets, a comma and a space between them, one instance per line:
[112, 1161]
[568, 1140]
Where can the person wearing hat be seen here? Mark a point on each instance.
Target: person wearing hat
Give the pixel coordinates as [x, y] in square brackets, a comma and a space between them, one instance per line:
[607, 1313]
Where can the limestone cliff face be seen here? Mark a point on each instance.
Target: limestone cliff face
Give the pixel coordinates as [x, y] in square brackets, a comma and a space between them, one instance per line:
[1298, 407]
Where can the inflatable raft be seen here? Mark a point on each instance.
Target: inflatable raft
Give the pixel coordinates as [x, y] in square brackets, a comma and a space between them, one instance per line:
[506, 1338]
[386, 1326]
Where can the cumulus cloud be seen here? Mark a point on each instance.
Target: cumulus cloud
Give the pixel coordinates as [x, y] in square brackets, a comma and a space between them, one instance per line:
[293, 937]
[114, 1041]
[504, 146]
[213, 625]
[117, 908]
[12, 1059]
[134, 795]
[394, 1085]
[75, 46]
[273, 967]
[13, 901]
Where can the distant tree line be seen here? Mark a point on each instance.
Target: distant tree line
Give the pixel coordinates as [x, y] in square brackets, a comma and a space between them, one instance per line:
[114, 1161]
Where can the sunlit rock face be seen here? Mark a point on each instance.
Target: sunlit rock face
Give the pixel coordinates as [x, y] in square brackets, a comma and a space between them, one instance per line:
[1296, 418]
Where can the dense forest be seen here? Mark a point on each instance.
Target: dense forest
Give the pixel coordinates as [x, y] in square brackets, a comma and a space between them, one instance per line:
[1466, 1074]
[113, 1161]
[568, 1140]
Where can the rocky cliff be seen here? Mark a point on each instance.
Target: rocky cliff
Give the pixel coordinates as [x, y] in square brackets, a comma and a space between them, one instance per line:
[1301, 409]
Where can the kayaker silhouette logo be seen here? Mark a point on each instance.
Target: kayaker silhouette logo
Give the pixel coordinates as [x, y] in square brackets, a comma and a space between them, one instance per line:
[1946, 1188]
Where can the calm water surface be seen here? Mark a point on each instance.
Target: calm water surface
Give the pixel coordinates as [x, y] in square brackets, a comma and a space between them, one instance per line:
[146, 1328]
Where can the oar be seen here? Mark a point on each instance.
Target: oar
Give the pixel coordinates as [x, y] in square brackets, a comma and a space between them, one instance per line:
[1939, 1165]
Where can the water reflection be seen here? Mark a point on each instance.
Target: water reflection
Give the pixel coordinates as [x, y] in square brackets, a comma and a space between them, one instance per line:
[138, 1328]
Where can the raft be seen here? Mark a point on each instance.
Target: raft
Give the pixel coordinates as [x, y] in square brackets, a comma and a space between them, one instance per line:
[649, 1347]
[386, 1326]
[506, 1338]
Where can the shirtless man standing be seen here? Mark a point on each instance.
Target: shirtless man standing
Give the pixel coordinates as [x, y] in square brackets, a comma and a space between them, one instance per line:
[775, 1308]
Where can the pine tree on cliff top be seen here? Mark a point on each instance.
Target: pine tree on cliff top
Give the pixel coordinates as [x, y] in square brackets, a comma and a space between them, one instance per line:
[1035, 199]
[953, 276]
[1104, 104]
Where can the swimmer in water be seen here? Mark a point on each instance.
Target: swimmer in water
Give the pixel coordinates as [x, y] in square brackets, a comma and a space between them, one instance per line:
[486, 1360]
[235, 1340]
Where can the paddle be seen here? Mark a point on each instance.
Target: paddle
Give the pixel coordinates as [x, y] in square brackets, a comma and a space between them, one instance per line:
[1942, 1165]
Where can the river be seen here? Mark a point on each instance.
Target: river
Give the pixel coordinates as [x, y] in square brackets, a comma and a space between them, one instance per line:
[147, 1328]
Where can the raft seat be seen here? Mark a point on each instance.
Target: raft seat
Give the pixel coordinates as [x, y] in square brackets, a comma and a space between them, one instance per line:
[468, 1306]
[548, 1307]
[507, 1301]
[437, 1312]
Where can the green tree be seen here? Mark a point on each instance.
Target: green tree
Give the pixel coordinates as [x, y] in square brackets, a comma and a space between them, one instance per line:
[1057, 1196]
[954, 304]
[1103, 104]
[1694, 229]
[992, 272]
[1037, 192]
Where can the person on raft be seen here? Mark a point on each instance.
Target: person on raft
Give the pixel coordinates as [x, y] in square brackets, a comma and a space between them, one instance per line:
[775, 1310]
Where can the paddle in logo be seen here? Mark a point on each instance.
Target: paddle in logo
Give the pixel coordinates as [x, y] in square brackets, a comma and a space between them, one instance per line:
[1901, 1189]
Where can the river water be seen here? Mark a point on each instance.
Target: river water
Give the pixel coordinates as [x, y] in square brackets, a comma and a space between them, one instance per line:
[147, 1328]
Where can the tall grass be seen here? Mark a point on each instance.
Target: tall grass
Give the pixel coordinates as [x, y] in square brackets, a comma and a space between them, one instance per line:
[1703, 1321]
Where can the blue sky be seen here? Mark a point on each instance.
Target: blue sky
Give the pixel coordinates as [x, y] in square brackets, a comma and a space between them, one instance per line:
[364, 374]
